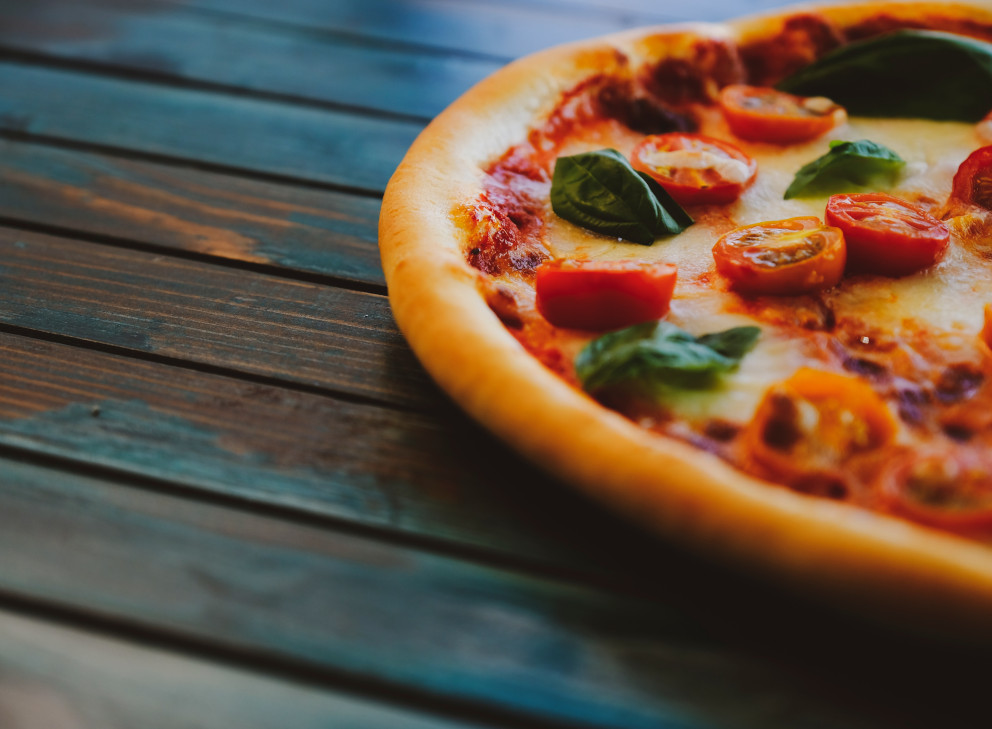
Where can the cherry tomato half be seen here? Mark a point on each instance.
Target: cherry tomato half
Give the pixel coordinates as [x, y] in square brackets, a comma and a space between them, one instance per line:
[695, 169]
[782, 257]
[807, 427]
[886, 235]
[600, 295]
[763, 114]
[973, 180]
[946, 490]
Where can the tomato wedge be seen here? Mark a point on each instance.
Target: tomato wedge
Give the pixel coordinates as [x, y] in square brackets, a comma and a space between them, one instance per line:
[808, 426]
[973, 180]
[600, 295]
[947, 490]
[763, 114]
[693, 168]
[782, 257]
[886, 235]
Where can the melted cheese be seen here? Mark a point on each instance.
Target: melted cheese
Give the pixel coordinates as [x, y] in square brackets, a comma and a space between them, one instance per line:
[949, 298]
[732, 170]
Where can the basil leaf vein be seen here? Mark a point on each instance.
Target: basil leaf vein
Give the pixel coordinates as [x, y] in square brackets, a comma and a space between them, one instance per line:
[908, 73]
[846, 167]
[659, 353]
[600, 191]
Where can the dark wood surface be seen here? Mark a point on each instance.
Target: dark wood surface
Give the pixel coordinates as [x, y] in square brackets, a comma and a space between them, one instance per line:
[229, 495]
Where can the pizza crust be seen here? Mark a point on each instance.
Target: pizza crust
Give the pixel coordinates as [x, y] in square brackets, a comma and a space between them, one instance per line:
[891, 568]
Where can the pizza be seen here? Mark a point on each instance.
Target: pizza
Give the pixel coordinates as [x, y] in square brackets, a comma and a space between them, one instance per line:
[734, 281]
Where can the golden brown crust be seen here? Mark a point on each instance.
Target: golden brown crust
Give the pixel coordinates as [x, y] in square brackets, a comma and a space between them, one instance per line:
[835, 550]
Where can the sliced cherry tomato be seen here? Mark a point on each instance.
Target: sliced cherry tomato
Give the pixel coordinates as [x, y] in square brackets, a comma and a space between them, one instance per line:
[946, 490]
[763, 114]
[808, 426]
[695, 169]
[973, 180]
[599, 295]
[886, 235]
[782, 257]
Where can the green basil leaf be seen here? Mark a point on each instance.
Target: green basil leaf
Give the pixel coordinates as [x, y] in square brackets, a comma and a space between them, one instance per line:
[676, 219]
[908, 73]
[847, 167]
[659, 353]
[602, 192]
[731, 343]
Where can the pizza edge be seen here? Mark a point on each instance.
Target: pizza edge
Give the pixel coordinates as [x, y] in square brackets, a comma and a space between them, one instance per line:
[836, 551]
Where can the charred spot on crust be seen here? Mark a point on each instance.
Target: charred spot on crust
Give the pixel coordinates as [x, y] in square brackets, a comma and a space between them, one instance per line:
[641, 113]
[697, 76]
[803, 39]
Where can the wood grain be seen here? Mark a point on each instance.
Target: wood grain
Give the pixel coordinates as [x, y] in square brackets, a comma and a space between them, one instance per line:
[498, 29]
[226, 131]
[290, 228]
[319, 336]
[58, 677]
[171, 41]
[342, 605]
[398, 472]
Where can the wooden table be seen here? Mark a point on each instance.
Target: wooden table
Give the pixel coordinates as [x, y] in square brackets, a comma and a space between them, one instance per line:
[230, 495]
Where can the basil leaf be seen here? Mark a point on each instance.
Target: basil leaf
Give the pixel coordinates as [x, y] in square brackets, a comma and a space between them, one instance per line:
[677, 219]
[656, 353]
[908, 73]
[602, 192]
[846, 167]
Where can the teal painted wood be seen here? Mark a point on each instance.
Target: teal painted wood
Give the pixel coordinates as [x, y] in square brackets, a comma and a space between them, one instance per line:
[400, 472]
[177, 42]
[289, 227]
[320, 336]
[252, 135]
[58, 677]
[344, 605]
[653, 11]
[499, 29]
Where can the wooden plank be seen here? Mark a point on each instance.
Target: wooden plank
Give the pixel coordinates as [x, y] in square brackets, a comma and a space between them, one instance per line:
[311, 231]
[342, 605]
[58, 677]
[243, 134]
[175, 42]
[652, 11]
[497, 29]
[319, 336]
[399, 471]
